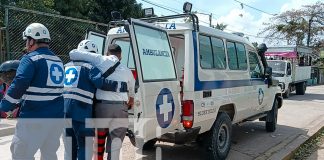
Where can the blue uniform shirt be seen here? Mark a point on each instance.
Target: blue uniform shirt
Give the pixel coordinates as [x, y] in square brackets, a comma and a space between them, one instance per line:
[81, 81]
[38, 86]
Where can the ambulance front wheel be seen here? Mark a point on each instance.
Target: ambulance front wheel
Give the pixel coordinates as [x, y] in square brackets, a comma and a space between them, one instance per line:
[272, 117]
[220, 137]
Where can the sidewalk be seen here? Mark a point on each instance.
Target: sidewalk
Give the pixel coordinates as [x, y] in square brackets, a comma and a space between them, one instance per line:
[7, 127]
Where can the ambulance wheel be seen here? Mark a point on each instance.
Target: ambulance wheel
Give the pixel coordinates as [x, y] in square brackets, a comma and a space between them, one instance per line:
[300, 88]
[271, 120]
[149, 144]
[220, 138]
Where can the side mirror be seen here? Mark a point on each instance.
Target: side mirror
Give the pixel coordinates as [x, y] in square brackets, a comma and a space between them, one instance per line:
[268, 72]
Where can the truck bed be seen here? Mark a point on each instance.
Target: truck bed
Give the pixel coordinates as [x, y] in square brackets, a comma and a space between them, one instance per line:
[302, 73]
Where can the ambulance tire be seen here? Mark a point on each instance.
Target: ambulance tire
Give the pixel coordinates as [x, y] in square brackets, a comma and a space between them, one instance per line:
[219, 141]
[272, 117]
[149, 144]
[287, 93]
[300, 88]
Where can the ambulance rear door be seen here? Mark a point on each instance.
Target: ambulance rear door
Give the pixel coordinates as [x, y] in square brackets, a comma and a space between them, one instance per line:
[158, 98]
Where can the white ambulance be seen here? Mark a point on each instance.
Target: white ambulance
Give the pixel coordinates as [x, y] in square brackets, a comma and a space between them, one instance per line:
[193, 82]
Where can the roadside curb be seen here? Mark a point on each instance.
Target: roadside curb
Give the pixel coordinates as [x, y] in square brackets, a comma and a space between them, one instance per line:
[292, 153]
[7, 131]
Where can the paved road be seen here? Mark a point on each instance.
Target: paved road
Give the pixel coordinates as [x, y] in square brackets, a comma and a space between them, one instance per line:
[299, 118]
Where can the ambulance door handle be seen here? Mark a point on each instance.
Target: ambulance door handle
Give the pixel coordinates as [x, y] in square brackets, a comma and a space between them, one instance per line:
[207, 94]
[138, 115]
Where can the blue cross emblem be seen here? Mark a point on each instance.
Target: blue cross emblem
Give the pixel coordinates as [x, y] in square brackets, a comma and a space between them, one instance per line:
[56, 73]
[71, 75]
[164, 108]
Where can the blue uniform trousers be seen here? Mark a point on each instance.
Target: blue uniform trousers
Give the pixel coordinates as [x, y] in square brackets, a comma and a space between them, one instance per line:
[78, 142]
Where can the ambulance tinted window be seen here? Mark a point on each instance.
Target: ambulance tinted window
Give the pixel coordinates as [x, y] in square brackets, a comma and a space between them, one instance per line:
[205, 51]
[155, 54]
[232, 58]
[241, 56]
[219, 53]
[127, 52]
[255, 66]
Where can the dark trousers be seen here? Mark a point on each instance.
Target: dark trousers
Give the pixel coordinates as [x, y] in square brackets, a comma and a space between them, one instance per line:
[81, 146]
[114, 125]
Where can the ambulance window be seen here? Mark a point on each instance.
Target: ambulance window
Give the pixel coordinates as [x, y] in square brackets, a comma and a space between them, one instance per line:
[241, 56]
[255, 66]
[219, 53]
[155, 54]
[127, 53]
[206, 53]
[231, 53]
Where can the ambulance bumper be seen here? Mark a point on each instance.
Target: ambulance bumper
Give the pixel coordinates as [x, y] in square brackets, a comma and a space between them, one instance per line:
[180, 137]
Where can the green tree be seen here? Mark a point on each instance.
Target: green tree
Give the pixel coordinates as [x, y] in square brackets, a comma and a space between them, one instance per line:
[102, 9]
[220, 26]
[298, 27]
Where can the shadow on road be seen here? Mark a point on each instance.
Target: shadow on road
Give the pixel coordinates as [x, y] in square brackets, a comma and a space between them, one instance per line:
[248, 142]
[307, 97]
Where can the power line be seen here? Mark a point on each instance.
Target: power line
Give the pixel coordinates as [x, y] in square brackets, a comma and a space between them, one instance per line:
[173, 10]
[243, 4]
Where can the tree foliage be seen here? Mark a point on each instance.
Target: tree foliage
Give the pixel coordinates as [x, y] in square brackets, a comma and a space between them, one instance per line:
[297, 27]
[220, 26]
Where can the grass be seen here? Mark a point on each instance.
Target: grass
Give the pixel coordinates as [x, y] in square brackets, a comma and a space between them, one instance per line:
[309, 147]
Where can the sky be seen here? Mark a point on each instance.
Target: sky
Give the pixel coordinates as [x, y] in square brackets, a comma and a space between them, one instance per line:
[230, 12]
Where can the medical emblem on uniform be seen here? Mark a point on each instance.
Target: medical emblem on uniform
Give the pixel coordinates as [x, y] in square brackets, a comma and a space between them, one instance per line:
[55, 73]
[72, 74]
[164, 108]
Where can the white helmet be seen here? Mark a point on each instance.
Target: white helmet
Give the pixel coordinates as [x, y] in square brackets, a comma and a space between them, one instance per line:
[38, 32]
[87, 46]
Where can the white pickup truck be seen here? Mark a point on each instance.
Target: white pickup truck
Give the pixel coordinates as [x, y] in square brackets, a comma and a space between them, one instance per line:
[291, 65]
[291, 76]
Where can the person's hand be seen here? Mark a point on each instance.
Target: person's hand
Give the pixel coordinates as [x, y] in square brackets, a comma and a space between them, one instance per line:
[130, 103]
[10, 115]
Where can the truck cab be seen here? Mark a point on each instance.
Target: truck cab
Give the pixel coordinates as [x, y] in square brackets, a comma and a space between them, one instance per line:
[193, 81]
[291, 66]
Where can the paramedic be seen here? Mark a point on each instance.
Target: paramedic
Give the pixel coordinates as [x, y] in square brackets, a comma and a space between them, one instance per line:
[39, 78]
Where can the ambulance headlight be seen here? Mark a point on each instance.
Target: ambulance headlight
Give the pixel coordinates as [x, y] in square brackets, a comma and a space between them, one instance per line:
[148, 12]
[187, 7]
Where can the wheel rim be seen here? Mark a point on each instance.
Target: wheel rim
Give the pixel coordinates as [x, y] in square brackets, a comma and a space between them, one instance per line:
[223, 138]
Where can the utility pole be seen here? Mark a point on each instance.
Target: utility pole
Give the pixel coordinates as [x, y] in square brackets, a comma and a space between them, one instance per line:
[309, 31]
[210, 20]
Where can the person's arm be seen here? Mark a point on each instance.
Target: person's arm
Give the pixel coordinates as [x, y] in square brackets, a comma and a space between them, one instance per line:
[18, 87]
[131, 89]
[94, 59]
[100, 82]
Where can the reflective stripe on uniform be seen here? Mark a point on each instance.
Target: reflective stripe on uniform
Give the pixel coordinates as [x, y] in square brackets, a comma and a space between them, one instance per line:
[83, 64]
[80, 91]
[45, 90]
[79, 98]
[39, 98]
[49, 57]
[10, 99]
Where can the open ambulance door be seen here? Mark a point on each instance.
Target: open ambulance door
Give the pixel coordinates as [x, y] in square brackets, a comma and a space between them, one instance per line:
[98, 38]
[157, 103]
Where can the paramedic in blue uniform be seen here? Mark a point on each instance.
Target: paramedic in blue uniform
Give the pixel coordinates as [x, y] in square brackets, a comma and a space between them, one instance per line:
[112, 105]
[81, 81]
[38, 85]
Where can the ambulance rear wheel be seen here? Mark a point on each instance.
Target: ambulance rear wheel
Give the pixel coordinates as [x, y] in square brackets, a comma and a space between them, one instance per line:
[149, 144]
[220, 138]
